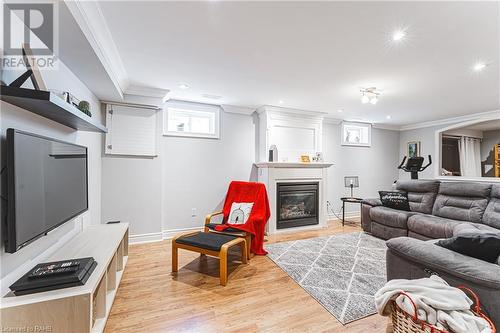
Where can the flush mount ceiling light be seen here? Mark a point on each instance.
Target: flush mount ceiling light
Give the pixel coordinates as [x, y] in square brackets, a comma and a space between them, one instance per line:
[369, 95]
[398, 35]
[479, 66]
[183, 86]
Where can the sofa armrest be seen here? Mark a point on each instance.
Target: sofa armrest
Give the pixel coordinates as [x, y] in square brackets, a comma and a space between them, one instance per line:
[439, 259]
[372, 202]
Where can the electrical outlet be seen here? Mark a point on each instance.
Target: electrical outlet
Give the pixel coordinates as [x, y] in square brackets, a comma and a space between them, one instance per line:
[193, 212]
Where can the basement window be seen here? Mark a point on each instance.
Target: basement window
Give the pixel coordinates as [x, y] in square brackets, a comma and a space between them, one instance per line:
[192, 120]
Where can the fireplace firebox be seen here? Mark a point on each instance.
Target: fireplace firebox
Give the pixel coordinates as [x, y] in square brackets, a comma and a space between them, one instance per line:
[297, 204]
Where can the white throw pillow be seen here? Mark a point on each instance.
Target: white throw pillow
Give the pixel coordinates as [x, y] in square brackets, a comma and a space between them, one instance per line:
[240, 212]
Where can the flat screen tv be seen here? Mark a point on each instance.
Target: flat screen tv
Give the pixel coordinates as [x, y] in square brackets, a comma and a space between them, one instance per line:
[46, 186]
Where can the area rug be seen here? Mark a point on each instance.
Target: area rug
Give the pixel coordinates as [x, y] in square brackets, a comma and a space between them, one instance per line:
[342, 272]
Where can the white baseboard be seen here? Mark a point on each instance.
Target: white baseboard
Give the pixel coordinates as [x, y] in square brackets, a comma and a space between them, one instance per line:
[145, 238]
[159, 236]
[348, 215]
[169, 234]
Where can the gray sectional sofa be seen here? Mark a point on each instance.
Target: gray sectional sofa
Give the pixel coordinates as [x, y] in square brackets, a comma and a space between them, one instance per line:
[439, 210]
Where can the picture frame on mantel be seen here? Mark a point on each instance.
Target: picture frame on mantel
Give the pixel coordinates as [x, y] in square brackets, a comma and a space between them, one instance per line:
[356, 134]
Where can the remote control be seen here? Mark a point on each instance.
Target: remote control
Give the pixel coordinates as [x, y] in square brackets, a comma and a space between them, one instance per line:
[55, 269]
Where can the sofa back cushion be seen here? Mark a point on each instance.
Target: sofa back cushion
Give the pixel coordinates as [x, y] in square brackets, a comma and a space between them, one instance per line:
[421, 194]
[491, 216]
[463, 201]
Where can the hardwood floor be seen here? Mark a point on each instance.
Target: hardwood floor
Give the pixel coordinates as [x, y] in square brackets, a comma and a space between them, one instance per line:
[259, 297]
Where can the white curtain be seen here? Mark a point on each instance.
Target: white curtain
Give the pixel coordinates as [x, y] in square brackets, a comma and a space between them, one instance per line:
[470, 156]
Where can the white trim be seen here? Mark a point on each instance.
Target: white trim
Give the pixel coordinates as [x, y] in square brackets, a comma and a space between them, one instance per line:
[159, 236]
[215, 110]
[479, 118]
[146, 91]
[467, 179]
[169, 234]
[238, 109]
[348, 215]
[360, 124]
[145, 238]
[89, 17]
[452, 120]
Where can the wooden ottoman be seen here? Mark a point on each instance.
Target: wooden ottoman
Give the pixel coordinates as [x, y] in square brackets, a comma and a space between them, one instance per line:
[212, 244]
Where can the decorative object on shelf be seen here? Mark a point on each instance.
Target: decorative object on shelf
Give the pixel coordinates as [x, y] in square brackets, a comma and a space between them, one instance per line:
[351, 182]
[71, 99]
[369, 95]
[31, 71]
[273, 153]
[305, 159]
[318, 157]
[84, 106]
[413, 149]
[356, 134]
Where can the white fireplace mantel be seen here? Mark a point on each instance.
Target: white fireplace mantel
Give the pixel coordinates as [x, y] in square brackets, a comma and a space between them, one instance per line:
[274, 173]
[293, 165]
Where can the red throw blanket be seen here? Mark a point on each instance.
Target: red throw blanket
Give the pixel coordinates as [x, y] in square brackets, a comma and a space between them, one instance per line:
[256, 223]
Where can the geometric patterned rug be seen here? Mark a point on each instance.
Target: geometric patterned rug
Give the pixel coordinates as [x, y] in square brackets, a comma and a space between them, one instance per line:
[342, 272]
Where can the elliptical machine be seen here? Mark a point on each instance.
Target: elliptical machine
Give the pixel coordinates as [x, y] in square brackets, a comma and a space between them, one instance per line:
[414, 165]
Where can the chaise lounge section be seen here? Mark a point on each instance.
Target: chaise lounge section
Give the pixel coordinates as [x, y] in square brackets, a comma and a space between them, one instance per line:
[456, 207]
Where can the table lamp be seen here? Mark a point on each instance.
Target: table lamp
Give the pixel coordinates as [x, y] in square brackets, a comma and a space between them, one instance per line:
[352, 182]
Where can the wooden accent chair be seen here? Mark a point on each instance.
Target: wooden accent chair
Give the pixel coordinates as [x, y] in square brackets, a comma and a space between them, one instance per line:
[210, 227]
[253, 229]
[213, 244]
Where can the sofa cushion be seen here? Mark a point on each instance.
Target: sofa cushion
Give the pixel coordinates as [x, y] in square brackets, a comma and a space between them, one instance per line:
[481, 245]
[491, 215]
[462, 201]
[395, 199]
[421, 194]
[464, 228]
[390, 217]
[432, 226]
[436, 258]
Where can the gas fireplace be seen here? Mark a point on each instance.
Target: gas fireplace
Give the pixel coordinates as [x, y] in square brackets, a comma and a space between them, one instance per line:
[297, 204]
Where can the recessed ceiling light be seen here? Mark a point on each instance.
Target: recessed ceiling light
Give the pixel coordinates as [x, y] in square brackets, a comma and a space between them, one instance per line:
[479, 66]
[388, 117]
[280, 101]
[340, 110]
[398, 35]
[183, 86]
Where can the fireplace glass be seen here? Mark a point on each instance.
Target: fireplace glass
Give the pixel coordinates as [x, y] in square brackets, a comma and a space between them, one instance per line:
[297, 204]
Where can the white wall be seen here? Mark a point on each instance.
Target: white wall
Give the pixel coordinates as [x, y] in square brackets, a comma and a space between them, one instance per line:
[158, 194]
[426, 136]
[376, 166]
[62, 79]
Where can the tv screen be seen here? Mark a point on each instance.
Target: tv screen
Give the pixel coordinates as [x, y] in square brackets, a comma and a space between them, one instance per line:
[46, 185]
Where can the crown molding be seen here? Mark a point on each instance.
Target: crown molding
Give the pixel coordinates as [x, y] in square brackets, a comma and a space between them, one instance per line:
[146, 91]
[89, 17]
[270, 109]
[238, 109]
[453, 120]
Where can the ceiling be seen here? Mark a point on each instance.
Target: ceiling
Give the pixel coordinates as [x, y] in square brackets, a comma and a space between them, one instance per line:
[316, 55]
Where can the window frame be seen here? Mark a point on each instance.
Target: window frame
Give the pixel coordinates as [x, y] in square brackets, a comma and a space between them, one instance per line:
[361, 125]
[192, 107]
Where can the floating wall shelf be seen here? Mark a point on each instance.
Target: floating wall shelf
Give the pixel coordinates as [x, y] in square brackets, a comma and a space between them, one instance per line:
[51, 106]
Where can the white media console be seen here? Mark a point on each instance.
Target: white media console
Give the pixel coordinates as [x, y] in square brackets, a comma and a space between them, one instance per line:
[76, 309]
